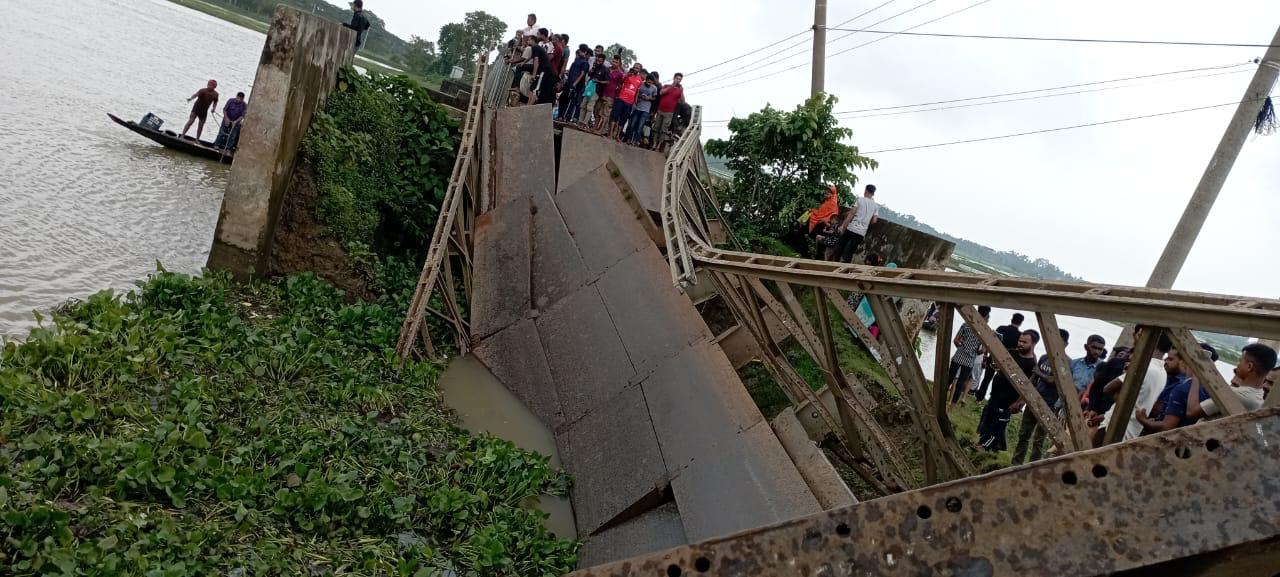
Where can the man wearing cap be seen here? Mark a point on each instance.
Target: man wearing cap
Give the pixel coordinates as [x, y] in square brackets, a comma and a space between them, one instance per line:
[359, 22]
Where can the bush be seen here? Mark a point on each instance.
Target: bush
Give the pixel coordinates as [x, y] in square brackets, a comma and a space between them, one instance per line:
[383, 153]
[195, 427]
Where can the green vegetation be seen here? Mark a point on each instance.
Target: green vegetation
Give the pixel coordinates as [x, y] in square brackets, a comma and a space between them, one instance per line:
[196, 427]
[782, 162]
[232, 16]
[382, 153]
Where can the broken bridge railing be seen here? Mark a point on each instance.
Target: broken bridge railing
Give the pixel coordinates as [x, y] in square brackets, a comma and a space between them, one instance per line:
[444, 285]
[810, 300]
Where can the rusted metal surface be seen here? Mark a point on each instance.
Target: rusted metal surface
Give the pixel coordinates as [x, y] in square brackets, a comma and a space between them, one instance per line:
[1182, 494]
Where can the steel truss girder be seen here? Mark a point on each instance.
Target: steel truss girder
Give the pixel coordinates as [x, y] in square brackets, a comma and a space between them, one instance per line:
[1165, 308]
[1182, 495]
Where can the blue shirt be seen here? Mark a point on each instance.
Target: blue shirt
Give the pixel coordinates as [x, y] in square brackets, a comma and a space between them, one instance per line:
[578, 68]
[1082, 372]
[1173, 400]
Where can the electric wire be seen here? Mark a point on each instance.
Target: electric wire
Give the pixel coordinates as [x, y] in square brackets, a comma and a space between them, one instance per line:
[845, 51]
[1057, 129]
[1058, 39]
[784, 51]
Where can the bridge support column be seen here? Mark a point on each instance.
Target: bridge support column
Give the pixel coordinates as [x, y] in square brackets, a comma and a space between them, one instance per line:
[298, 68]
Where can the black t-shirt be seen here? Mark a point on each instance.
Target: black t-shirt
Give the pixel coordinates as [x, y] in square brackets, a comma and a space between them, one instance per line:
[1009, 336]
[539, 54]
[1099, 401]
[1002, 392]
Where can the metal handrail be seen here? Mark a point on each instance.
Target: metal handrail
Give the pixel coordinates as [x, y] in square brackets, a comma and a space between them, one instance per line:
[449, 209]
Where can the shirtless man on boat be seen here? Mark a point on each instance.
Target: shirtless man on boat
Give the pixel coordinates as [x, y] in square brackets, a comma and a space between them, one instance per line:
[206, 98]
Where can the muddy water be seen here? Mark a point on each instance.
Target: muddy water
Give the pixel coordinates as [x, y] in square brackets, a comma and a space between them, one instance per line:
[85, 204]
[485, 405]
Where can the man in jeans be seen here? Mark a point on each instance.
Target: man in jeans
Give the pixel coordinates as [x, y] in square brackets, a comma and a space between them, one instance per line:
[575, 83]
[1009, 338]
[669, 98]
[625, 101]
[863, 215]
[640, 112]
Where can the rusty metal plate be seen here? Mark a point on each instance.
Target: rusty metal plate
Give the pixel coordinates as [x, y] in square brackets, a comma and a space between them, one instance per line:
[1179, 495]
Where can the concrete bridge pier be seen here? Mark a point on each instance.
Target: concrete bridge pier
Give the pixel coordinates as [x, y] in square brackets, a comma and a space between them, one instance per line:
[298, 68]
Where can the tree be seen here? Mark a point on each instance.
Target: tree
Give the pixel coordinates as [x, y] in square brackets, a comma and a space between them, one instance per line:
[781, 163]
[421, 56]
[628, 57]
[461, 42]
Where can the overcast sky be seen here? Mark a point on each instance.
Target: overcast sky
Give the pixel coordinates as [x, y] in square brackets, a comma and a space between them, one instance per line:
[1098, 202]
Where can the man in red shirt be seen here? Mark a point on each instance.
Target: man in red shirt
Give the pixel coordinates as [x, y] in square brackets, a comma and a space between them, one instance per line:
[604, 106]
[625, 100]
[669, 98]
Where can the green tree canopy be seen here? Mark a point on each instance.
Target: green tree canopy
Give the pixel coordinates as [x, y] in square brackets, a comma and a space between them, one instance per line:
[628, 57]
[782, 162]
[421, 56]
[461, 42]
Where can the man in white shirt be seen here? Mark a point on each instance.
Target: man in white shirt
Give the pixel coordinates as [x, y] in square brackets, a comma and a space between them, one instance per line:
[1256, 362]
[532, 29]
[1152, 384]
[864, 214]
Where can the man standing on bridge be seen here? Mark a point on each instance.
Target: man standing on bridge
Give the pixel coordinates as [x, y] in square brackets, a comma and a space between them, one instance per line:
[999, 410]
[359, 22]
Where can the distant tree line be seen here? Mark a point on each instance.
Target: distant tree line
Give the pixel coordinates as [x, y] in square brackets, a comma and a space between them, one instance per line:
[1012, 261]
[457, 45]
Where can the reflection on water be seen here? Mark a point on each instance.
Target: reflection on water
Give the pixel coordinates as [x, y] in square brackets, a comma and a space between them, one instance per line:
[84, 203]
[485, 405]
[1080, 329]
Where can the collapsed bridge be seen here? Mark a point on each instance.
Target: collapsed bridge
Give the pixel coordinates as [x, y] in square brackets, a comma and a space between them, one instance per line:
[560, 261]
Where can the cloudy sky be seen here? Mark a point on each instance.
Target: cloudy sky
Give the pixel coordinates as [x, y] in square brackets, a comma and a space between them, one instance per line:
[1099, 202]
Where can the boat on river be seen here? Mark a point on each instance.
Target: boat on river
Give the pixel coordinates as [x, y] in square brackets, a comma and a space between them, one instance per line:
[171, 139]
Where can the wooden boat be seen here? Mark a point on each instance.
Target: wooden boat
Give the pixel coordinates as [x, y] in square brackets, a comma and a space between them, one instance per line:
[171, 139]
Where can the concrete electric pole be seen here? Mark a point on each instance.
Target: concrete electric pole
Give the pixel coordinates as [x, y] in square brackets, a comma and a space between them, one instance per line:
[1184, 235]
[819, 47]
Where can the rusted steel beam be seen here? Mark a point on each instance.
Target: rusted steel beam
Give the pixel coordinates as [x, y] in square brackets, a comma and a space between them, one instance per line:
[884, 453]
[1073, 415]
[950, 457]
[1004, 361]
[942, 365]
[1167, 308]
[1148, 503]
[1203, 370]
[802, 320]
[1143, 347]
[864, 334]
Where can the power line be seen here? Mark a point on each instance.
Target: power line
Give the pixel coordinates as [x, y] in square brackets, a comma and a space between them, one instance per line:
[847, 50]
[777, 59]
[1058, 129]
[746, 54]
[1052, 39]
[1041, 96]
[845, 113]
[1063, 87]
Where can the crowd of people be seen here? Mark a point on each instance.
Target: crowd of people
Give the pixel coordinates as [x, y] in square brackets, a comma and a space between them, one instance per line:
[1168, 397]
[595, 91]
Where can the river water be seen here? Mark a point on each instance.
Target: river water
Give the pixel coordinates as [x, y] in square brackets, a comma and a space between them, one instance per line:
[84, 203]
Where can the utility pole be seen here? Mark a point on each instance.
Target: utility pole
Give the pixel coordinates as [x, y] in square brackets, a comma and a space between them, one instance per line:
[1193, 217]
[819, 47]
